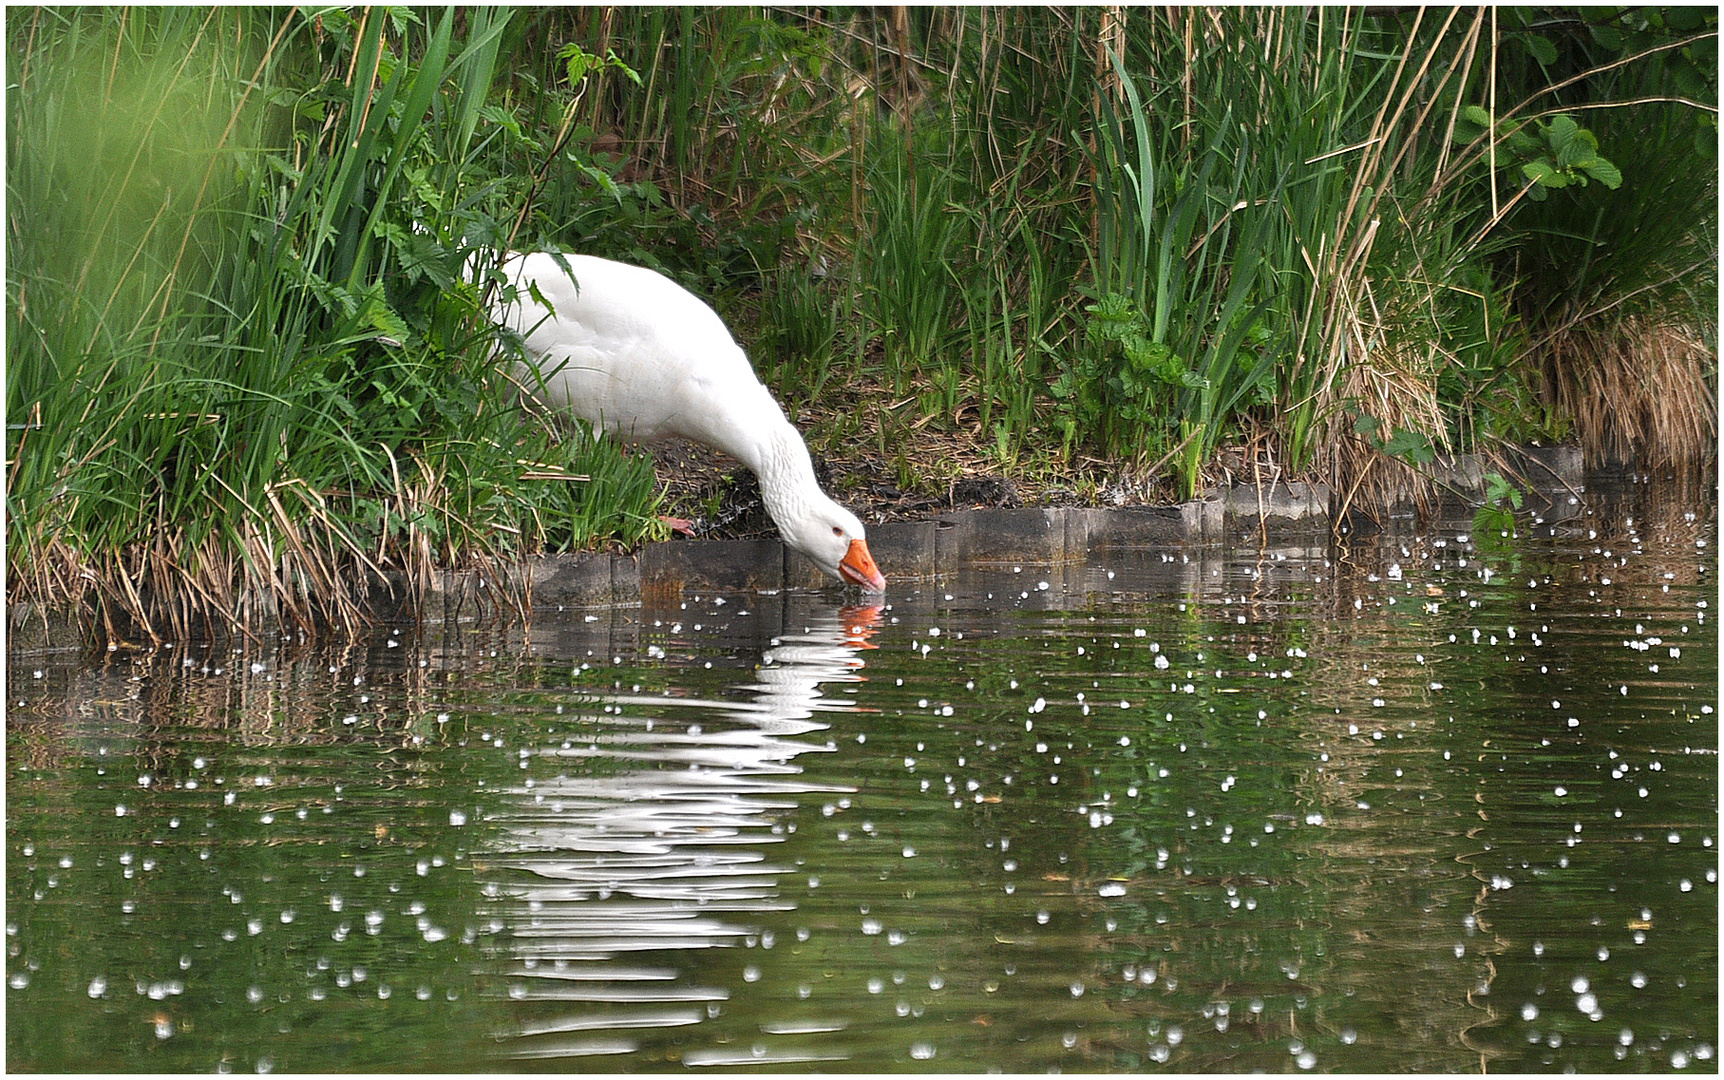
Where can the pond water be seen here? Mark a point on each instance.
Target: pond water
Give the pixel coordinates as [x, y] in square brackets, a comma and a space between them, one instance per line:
[1403, 805]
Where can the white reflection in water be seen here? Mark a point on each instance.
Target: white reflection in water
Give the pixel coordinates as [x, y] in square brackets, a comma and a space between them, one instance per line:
[652, 839]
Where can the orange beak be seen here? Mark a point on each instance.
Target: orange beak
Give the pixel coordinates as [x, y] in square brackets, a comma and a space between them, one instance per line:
[858, 567]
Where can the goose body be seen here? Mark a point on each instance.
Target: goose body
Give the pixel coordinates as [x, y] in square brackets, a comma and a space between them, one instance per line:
[641, 358]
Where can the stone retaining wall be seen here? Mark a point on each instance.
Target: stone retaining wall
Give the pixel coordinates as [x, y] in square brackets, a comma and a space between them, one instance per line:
[906, 551]
[1037, 536]
[913, 551]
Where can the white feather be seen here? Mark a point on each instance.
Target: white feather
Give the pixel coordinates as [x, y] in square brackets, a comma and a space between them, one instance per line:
[641, 358]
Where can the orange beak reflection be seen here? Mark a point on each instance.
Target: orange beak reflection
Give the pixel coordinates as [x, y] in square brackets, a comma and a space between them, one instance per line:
[861, 622]
[858, 567]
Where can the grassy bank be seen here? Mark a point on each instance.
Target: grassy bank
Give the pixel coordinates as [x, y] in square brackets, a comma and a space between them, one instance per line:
[1128, 251]
[240, 383]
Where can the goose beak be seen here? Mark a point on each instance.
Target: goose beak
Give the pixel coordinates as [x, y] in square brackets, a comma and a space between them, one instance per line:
[858, 567]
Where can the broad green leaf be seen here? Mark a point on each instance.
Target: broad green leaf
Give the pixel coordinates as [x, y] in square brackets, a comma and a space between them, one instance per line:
[1560, 132]
[1540, 47]
[1604, 172]
[1544, 174]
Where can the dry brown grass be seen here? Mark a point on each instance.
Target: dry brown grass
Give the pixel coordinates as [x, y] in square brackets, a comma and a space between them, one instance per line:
[1640, 390]
[1391, 362]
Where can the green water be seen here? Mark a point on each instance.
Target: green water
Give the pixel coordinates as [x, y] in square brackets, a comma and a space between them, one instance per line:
[1402, 806]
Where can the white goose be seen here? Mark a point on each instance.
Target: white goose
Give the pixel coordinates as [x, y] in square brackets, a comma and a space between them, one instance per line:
[640, 357]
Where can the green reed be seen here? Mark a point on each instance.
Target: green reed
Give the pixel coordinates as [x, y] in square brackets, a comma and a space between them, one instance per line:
[241, 383]
[245, 371]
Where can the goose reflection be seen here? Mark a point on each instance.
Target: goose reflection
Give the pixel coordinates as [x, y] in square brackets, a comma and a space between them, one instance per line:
[652, 841]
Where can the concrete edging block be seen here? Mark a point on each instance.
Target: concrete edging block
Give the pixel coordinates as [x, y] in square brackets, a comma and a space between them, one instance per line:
[906, 551]
[1144, 526]
[1550, 468]
[580, 578]
[744, 565]
[907, 546]
[1001, 537]
[1283, 501]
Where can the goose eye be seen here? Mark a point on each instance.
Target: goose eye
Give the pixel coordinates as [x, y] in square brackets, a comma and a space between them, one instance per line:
[837, 530]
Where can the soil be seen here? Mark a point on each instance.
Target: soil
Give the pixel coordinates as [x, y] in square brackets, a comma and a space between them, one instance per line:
[721, 498]
[952, 467]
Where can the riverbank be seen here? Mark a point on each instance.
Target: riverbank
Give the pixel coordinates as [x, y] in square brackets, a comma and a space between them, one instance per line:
[920, 548]
[910, 546]
[234, 402]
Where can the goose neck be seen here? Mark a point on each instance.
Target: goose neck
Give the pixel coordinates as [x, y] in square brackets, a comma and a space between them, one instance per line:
[785, 472]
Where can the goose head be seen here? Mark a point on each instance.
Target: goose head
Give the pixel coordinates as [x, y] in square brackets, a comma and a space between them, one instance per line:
[834, 538]
[807, 518]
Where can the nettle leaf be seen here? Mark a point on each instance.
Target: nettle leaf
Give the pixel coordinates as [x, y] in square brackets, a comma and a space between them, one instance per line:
[1581, 146]
[1544, 174]
[600, 178]
[380, 316]
[502, 117]
[1603, 171]
[1263, 389]
[423, 256]
[1541, 48]
[1114, 317]
[1410, 446]
[1497, 490]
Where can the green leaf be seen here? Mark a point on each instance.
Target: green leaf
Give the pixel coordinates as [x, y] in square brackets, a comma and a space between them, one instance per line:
[1540, 47]
[1519, 142]
[1498, 489]
[1410, 446]
[1544, 174]
[383, 318]
[1560, 132]
[1582, 146]
[1604, 172]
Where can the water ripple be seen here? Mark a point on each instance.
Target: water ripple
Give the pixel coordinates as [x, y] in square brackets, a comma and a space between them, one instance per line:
[651, 842]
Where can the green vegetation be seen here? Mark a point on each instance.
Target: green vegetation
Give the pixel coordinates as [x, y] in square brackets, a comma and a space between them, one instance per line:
[238, 380]
[245, 372]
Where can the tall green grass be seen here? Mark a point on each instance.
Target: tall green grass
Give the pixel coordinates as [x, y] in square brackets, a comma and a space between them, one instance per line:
[240, 382]
[1142, 235]
[245, 371]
